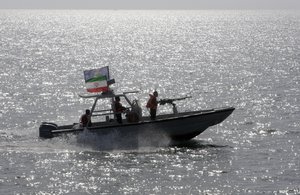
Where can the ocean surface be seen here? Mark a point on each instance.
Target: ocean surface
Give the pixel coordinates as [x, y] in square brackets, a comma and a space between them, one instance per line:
[246, 59]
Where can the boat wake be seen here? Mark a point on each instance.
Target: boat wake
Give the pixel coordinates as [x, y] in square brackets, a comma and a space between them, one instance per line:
[196, 144]
[115, 140]
[143, 141]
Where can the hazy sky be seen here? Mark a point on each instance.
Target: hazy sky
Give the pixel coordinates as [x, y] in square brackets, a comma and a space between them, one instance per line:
[151, 4]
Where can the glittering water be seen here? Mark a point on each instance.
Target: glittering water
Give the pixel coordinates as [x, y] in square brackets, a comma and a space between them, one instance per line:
[246, 59]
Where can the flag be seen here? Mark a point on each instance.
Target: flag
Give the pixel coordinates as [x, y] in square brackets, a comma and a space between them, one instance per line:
[96, 79]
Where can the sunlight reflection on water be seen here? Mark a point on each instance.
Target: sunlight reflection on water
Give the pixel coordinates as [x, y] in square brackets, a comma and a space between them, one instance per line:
[246, 59]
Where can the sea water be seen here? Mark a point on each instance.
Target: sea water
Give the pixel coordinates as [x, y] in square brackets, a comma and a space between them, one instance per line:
[246, 59]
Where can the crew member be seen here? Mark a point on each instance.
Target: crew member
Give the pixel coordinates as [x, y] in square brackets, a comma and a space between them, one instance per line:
[119, 109]
[85, 119]
[152, 105]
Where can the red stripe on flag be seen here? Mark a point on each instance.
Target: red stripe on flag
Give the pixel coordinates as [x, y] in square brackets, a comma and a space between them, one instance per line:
[99, 89]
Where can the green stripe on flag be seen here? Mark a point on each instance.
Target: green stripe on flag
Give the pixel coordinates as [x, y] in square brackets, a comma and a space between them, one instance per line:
[99, 78]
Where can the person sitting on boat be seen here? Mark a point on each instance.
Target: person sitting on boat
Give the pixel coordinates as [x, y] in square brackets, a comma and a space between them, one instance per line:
[152, 105]
[119, 109]
[85, 119]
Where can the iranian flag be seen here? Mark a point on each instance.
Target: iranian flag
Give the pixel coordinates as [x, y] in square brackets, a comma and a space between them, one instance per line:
[96, 79]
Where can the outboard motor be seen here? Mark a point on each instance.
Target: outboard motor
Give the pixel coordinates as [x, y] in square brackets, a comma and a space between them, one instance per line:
[46, 128]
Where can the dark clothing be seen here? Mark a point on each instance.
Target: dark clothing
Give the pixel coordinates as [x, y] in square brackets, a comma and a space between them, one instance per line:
[152, 104]
[85, 120]
[119, 118]
[119, 109]
[152, 114]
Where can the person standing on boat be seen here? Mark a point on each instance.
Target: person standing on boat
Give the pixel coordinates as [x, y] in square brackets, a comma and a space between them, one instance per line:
[119, 109]
[152, 105]
[85, 119]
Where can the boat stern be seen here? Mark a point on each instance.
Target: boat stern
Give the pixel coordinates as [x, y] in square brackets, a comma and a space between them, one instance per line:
[45, 130]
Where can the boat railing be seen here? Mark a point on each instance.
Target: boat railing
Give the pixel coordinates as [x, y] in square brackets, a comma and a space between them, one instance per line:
[108, 112]
[102, 112]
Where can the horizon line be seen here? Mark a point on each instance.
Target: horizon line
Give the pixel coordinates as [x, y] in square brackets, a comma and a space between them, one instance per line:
[183, 9]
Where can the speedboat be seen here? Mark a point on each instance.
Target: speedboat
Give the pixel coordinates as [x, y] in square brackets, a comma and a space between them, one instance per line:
[178, 126]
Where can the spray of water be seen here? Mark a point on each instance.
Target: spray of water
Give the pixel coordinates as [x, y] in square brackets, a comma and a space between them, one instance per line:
[27, 139]
[116, 140]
